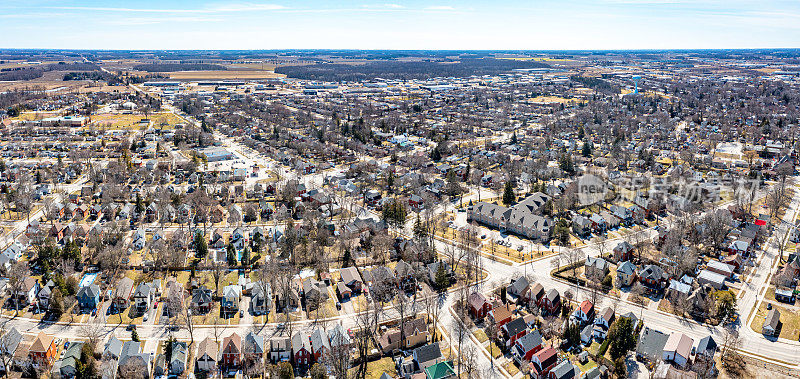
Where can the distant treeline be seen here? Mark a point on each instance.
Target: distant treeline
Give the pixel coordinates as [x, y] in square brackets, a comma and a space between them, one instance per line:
[16, 96]
[35, 72]
[405, 70]
[92, 75]
[596, 83]
[21, 73]
[169, 67]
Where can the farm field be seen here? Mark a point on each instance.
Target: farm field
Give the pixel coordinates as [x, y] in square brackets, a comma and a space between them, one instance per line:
[122, 121]
[223, 74]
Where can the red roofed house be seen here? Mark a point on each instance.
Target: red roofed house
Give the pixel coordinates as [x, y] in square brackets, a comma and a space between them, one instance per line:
[542, 361]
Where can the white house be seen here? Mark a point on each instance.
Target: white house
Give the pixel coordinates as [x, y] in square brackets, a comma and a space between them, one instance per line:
[678, 349]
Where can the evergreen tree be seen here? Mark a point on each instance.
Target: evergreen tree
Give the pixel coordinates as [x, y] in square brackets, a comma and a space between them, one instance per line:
[441, 277]
[514, 138]
[231, 255]
[246, 256]
[419, 229]
[139, 203]
[200, 245]
[346, 257]
[436, 155]
[508, 194]
[390, 182]
[285, 370]
[56, 303]
[565, 163]
[586, 151]
[622, 337]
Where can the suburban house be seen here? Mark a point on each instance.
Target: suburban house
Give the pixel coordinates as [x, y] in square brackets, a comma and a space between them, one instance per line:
[351, 278]
[514, 330]
[626, 274]
[280, 349]
[479, 305]
[207, 355]
[9, 342]
[260, 298]
[88, 297]
[525, 347]
[552, 301]
[143, 297]
[253, 347]
[678, 349]
[605, 318]
[339, 337]
[301, 349]
[500, 315]
[122, 293]
[623, 251]
[69, 360]
[43, 350]
[231, 351]
[518, 288]
[26, 294]
[177, 363]
[231, 295]
[201, 300]
[564, 370]
[771, 323]
[653, 277]
[585, 312]
[542, 362]
[320, 345]
[596, 268]
[582, 226]
[415, 332]
[536, 294]
[428, 355]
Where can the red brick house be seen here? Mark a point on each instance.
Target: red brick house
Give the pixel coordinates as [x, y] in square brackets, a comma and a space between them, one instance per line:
[551, 302]
[479, 306]
[542, 362]
[301, 349]
[43, 350]
[501, 315]
[232, 351]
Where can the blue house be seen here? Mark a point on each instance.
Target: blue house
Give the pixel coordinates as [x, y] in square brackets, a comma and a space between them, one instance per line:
[88, 297]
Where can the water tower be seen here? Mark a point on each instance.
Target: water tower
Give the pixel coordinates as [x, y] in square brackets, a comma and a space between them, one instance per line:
[636, 80]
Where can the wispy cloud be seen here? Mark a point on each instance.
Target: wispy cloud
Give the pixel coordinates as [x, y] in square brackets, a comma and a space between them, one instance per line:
[131, 21]
[651, 2]
[222, 8]
[382, 6]
[439, 8]
[30, 15]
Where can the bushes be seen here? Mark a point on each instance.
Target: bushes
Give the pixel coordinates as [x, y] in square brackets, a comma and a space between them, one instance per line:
[608, 281]
[603, 348]
[558, 273]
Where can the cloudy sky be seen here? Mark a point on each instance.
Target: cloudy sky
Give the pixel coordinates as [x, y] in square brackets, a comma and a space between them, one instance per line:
[431, 24]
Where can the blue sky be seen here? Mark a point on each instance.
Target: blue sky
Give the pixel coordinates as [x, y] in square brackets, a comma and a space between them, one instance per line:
[432, 24]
